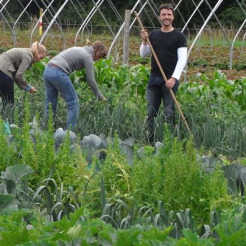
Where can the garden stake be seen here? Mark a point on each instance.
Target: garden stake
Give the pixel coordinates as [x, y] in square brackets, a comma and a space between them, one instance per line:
[163, 74]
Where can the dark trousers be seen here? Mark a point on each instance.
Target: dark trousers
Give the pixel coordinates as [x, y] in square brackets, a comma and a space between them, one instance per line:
[157, 93]
[6, 89]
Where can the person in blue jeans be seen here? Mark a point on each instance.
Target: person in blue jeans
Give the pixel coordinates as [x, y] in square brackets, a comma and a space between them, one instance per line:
[170, 46]
[57, 80]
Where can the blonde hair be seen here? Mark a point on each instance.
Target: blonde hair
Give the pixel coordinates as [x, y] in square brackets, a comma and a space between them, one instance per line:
[38, 49]
[99, 47]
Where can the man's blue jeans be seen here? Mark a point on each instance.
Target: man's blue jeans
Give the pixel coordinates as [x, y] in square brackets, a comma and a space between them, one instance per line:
[57, 81]
[156, 93]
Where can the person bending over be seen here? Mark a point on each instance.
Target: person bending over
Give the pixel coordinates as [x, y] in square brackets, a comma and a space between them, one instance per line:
[13, 65]
[57, 80]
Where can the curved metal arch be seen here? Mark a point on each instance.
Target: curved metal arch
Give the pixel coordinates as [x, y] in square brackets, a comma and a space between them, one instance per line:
[115, 11]
[154, 5]
[233, 42]
[203, 26]
[177, 9]
[147, 2]
[120, 30]
[81, 17]
[24, 8]
[244, 36]
[56, 21]
[15, 23]
[89, 29]
[241, 6]
[43, 15]
[89, 17]
[143, 9]
[203, 21]
[53, 20]
[1, 10]
[235, 37]
[217, 19]
[52, 11]
[192, 14]
[98, 9]
[5, 9]
[139, 12]
[123, 25]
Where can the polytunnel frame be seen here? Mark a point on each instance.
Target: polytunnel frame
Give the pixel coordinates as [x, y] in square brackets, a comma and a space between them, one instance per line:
[24, 8]
[176, 8]
[203, 26]
[18, 18]
[13, 29]
[4, 8]
[213, 13]
[140, 11]
[147, 13]
[81, 17]
[191, 16]
[231, 45]
[6, 21]
[40, 18]
[123, 24]
[93, 11]
[235, 37]
[96, 8]
[197, 9]
[53, 20]
[100, 12]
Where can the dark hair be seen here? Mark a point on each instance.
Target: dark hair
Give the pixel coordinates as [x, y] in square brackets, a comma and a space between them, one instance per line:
[166, 6]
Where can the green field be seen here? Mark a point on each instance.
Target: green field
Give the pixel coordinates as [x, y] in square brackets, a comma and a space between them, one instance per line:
[186, 190]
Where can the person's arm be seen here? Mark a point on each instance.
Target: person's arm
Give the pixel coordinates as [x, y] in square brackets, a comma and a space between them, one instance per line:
[19, 79]
[89, 70]
[182, 59]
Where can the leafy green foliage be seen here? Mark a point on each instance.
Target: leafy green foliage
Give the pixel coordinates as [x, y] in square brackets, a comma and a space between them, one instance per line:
[211, 106]
[186, 186]
[7, 149]
[127, 196]
[231, 16]
[231, 229]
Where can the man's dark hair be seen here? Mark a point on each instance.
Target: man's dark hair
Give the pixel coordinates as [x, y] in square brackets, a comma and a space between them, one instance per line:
[166, 6]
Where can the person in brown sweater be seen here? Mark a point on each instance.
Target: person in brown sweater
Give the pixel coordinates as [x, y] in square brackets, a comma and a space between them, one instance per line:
[13, 65]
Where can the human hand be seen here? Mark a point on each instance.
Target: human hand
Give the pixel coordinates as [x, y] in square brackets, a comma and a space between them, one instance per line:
[32, 90]
[170, 83]
[144, 35]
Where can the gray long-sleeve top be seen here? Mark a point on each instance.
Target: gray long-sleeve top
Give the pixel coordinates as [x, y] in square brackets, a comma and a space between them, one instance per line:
[14, 63]
[77, 58]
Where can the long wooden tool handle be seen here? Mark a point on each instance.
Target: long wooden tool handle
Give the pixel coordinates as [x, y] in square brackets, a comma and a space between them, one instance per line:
[163, 74]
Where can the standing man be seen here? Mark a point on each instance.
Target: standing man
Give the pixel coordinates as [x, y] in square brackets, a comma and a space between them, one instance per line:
[170, 47]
